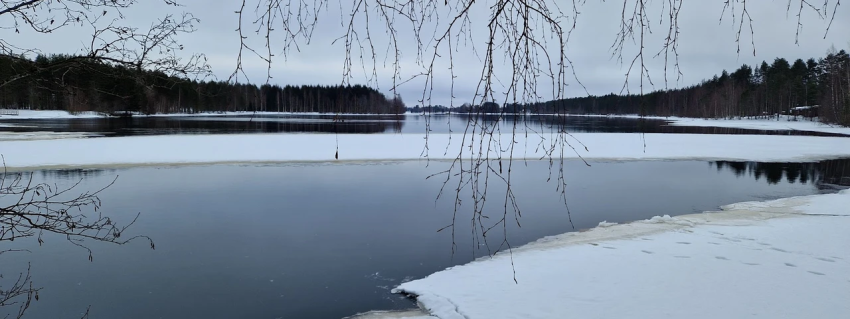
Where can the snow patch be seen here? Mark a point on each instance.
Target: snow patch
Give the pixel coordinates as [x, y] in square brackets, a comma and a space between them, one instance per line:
[605, 223]
[783, 123]
[666, 219]
[49, 114]
[409, 314]
[32, 136]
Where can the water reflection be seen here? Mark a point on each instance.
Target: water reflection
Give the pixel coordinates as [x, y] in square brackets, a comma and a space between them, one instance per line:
[74, 173]
[368, 124]
[212, 125]
[829, 174]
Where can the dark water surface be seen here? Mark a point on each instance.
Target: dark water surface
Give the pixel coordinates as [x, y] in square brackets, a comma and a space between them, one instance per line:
[361, 124]
[330, 240]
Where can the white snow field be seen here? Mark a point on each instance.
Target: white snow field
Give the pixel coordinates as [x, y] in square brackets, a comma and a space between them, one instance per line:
[270, 148]
[780, 259]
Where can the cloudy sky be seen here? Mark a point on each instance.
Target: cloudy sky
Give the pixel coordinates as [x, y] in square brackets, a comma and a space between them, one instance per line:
[707, 45]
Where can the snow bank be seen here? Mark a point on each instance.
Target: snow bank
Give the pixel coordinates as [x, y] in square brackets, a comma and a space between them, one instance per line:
[783, 124]
[32, 115]
[30, 136]
[770, 260]
[411, 314]
[194, 149]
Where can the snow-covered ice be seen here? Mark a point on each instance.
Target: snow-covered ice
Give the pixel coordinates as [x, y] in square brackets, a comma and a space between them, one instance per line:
[780, 259]
[411, 314]
[30, 136]
[48, 114]
[271, 148]
[781, 123]
[784, 123]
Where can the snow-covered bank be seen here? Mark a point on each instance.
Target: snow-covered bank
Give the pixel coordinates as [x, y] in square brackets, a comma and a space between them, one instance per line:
[192, 149]
[30, 136]
[785, 123]
[49, 114]
[779, 259]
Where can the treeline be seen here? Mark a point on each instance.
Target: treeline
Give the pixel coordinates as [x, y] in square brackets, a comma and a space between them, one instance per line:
[48, 83]
[822, 85]
[486, 107]
[764, 90]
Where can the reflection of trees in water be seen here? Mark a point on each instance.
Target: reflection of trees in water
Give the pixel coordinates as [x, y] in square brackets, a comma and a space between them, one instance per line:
[823, 174]
[41, 211]
[241, 124]
[73, 173]
[599, 124]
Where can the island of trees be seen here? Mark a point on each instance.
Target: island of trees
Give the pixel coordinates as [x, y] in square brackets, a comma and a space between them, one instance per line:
[110, 89]
[815, 87]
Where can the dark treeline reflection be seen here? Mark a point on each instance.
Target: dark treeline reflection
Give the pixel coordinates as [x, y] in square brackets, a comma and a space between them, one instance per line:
[214, 125]
[444, 123]
[74, 173]
[824, 174]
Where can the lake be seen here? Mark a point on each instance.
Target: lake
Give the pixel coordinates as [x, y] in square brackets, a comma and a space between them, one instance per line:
[329, 240]
[346, 124]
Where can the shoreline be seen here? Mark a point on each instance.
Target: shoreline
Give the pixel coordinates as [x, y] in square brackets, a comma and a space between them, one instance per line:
[480, 289]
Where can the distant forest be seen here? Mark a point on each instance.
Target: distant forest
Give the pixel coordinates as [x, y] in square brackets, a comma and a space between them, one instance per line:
[750, 91]
[105, 88]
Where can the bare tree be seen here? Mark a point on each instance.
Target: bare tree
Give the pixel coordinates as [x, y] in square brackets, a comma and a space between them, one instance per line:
[34, 210]
[111, 39]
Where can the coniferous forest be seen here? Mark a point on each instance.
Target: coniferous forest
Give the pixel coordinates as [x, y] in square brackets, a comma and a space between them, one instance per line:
[750, 91]
[110, 89]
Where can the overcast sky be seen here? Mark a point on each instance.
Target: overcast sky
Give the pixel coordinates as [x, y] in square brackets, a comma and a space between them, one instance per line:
[706, 46]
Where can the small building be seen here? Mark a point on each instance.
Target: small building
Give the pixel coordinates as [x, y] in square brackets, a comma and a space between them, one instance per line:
[804, 111]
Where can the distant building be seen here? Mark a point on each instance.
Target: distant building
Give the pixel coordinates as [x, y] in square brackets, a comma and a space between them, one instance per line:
[804, 111]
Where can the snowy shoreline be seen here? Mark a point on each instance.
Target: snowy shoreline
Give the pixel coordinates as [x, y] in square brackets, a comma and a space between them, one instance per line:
[784, 258]
[282, 148]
